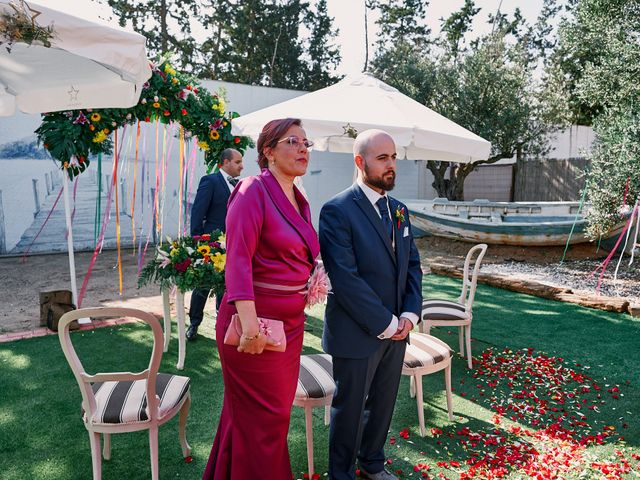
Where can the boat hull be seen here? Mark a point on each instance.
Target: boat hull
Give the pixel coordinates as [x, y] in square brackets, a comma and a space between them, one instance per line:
[501, 223]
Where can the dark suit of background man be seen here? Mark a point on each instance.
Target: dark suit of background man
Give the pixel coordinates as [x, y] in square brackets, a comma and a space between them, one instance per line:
[208, 213]
[374, 267]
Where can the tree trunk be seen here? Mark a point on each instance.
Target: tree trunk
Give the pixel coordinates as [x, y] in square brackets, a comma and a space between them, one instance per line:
[164, 34]
[451, 188]
[518, 177]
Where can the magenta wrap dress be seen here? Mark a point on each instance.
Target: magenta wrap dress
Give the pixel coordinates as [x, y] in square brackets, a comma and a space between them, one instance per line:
[268, 243]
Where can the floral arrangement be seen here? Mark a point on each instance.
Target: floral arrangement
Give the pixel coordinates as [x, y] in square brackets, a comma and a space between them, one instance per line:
[188, 263]
[72, 136]
[21, 26]
[318, 286]
[399, 216]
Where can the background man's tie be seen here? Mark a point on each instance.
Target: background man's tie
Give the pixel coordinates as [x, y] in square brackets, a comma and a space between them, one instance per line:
[233, 181]
[386, 220]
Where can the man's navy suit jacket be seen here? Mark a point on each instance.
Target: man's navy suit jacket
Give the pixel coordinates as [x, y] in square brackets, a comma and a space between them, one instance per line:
[209, 209]
[369, 281]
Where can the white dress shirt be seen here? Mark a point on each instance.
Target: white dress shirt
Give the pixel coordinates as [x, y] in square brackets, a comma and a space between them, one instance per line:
[373, 197]
[226, 176]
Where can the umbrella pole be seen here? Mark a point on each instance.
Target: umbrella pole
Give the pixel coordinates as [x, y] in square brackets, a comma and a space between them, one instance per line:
[67, 215]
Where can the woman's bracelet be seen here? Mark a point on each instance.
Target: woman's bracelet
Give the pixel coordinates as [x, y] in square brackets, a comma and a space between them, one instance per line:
[250, 339]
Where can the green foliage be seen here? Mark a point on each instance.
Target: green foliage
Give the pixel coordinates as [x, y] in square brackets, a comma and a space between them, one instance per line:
[188, 263]
[324, 55]
[615, 169]
[598, 56]
[487, 86]
[157, 21]
[255, 42]
[71, 137]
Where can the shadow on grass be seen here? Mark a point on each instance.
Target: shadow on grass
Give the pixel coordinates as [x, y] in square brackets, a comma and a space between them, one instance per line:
[41, 431]
[42, 435]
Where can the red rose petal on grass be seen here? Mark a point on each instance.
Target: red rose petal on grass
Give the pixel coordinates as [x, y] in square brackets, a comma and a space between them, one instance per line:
[188, 459]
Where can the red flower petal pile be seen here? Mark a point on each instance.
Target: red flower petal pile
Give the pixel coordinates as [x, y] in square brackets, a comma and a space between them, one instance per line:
[547, 414]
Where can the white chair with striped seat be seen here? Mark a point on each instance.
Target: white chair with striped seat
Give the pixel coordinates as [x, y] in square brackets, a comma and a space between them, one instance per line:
[426, 354]
[315, 389]
[440, 312]
[127, 402]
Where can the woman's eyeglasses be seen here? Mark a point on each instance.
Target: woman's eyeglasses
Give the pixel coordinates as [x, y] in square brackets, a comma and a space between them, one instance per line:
[297, 141]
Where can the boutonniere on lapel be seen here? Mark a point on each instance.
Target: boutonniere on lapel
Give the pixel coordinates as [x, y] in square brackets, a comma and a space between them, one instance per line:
[399, 215]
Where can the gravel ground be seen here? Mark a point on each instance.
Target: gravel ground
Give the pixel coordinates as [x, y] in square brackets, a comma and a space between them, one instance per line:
[578, 275]
[543, 265]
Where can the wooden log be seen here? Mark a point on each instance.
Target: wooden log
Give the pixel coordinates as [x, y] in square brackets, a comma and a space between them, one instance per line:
[563, 294]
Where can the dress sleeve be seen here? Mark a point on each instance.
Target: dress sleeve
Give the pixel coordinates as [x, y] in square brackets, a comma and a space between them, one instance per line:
[244, 226]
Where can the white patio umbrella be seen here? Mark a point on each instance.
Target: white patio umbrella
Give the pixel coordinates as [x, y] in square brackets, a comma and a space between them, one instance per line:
[361, 102]
[88, 65]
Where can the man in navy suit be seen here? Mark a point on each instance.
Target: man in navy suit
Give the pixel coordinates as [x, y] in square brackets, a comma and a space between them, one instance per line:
[374, 267]
[208, 213]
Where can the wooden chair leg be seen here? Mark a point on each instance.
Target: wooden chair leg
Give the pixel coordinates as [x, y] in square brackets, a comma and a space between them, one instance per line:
[308, 420]
[153, 449]
[447, 384]
[420, 403]
[412, 387]
[327, 414]
[425, 327]
[106, 448]
[467, 331]
[182, 426]
[461, 340]
[96, 459]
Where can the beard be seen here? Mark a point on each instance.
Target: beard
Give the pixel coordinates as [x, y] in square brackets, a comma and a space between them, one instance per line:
[381, 182]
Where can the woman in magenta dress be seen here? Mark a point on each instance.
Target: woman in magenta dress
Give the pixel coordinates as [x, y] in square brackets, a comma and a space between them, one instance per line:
[271, 249]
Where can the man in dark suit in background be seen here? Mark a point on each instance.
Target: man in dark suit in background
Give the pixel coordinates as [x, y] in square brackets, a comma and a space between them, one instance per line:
[374, 267]
[208, 213]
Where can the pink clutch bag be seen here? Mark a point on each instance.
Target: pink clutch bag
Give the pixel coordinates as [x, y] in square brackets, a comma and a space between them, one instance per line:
[272, 329]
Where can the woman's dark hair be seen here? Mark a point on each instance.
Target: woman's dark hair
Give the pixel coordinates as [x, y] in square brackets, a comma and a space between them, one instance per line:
[271, 133]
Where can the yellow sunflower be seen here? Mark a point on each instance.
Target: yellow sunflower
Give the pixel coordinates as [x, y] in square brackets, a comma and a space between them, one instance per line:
[219, 261]
[203, 145]
[204, 249]
[214, 135]
[99, 137]
[95, 117]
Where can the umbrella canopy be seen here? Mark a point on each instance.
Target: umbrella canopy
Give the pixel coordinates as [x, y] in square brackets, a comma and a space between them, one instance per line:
[88, 65]
[362, 102]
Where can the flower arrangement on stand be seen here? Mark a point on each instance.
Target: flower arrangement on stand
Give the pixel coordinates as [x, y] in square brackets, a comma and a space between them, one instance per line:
[72, 136]
[188, 263]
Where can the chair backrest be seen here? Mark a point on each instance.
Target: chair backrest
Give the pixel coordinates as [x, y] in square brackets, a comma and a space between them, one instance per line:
[85, 380]
[470, 278]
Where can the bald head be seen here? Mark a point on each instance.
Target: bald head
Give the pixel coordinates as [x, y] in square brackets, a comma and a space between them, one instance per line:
[374, 153]
[364, 142]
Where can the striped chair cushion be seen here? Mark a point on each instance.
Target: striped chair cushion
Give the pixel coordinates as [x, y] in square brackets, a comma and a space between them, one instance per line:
[316, 377]
[424, 350]
[126, 401]
[436, 309]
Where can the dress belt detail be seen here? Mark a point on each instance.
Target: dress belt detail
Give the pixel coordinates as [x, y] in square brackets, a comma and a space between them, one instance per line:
[284, 288]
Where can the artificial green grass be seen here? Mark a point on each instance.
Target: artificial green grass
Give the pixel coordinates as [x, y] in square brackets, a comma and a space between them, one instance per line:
[42, 435]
